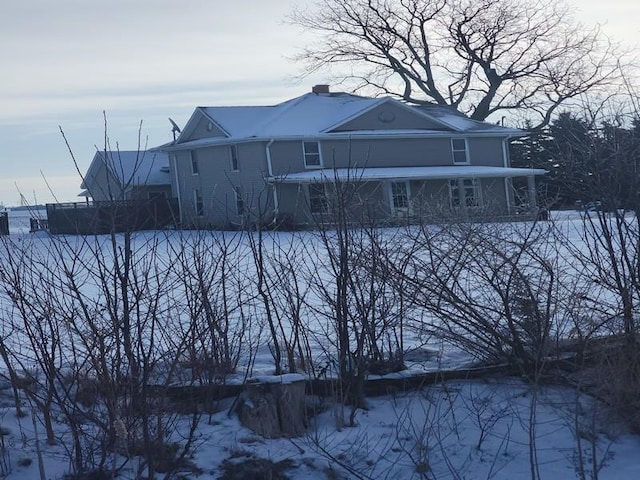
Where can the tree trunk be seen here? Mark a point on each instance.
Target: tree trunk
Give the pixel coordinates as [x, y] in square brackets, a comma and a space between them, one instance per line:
[274, 407]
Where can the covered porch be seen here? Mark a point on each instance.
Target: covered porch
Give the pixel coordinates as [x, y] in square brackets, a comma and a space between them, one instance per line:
[466, 191]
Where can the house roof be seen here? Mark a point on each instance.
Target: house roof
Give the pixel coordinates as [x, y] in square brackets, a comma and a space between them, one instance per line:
[327, 175]
[132, 167]
[317, 115]
[452, 117]
[307, 115]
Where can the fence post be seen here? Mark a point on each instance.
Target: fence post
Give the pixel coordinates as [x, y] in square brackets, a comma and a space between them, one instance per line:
[4, 223]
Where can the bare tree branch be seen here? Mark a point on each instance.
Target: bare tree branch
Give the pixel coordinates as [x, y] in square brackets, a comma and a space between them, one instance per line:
[481, 58]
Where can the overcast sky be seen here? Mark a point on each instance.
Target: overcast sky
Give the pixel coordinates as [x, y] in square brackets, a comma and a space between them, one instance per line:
[64, 62]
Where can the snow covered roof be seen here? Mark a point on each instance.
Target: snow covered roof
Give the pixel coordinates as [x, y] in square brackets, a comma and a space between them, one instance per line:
[327, 175]
[132, 167]
[452, 117]
[317, 115]
[306, 115]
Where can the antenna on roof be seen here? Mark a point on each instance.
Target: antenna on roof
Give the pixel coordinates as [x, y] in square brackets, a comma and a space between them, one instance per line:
[174, 128]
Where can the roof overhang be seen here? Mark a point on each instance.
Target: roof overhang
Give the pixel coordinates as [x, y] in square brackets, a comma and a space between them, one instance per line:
[328, 175]
[352, 135]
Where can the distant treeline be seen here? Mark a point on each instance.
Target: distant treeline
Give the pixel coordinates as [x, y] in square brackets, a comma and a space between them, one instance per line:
[24, 208]
[588, 161]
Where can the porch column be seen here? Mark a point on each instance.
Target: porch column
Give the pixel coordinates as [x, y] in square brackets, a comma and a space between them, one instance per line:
[462, 194]
[508, 194]
[531, 193]
[388, 193]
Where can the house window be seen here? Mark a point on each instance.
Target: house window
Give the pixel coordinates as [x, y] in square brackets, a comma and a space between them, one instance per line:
[460, 150]
[239, 200]
[318, 198]
[400, 195]
[194, 163]
[198, 204]
[311, 152]
[468, 196]
[234, 157]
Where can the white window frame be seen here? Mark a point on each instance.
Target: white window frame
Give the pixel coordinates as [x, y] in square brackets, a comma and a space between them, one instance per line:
[198, 202]
[195, 166]
[471, 189]
[312, 154]
[233, 158]
[394, 196]
[455, 149]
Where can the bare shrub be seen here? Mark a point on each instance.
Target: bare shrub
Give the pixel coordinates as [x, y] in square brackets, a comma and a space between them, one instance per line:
[362, 311]
[491, 289]
[279, 261]
[98, 324]
[212, 289]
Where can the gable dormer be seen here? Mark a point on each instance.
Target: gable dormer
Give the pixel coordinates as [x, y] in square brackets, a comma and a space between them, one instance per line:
[200, 126]
[390, 115]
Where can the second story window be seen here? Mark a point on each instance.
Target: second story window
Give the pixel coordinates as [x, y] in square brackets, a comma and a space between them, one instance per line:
[311, 152]
[234, 158]
[460, 150]
[194, 163]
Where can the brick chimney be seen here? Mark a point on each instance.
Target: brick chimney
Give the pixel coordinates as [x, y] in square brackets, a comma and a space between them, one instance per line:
[320, 89]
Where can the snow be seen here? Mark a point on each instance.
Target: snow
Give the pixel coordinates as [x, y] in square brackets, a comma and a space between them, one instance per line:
[316, 115]
[19, 220]
[403, 173]
[461, 122]
[132, 167]
[476, 429]
[308, 114]
[287, 378]
[456, 429]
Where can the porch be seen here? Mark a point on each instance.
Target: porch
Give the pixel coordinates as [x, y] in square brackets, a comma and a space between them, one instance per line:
[101, 217]
[409, 193]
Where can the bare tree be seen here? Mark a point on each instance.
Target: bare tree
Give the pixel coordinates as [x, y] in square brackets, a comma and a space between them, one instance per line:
[604, 145]
[482, 58]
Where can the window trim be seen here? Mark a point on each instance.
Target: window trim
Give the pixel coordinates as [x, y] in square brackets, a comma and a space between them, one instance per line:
[474, 186]
[455, 150]
[195, 166]
[392, 196]
[306, 154]
[234, 159]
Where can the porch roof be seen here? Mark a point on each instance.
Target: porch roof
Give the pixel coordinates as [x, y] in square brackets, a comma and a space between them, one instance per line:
[327, 175]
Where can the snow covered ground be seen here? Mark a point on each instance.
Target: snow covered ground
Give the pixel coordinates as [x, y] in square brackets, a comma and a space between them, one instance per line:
[473, 430]
[498, 428]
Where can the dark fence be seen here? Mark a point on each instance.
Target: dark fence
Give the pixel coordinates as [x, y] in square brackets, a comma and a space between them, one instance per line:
[4, 223]
[112, 216]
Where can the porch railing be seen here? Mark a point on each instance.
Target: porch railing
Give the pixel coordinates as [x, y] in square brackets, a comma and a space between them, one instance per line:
[102, 217]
